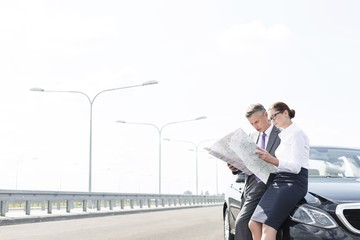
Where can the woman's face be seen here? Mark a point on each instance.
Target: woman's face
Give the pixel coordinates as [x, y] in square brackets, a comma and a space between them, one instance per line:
[279, 118]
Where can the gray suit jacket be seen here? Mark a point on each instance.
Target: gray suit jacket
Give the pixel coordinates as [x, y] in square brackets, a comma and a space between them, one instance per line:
[273, 141]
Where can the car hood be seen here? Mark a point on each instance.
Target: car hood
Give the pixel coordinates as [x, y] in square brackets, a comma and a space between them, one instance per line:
[339, 190]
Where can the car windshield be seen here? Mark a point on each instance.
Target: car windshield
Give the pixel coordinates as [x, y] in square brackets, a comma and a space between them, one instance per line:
[334, 162]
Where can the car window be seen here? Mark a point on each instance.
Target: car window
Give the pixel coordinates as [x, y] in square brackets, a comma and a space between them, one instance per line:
[334, 162]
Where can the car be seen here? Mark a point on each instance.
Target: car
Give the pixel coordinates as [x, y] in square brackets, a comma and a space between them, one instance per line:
[331, 207]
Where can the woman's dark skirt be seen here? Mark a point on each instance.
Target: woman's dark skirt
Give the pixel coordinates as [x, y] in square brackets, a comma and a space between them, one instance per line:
[286, 190]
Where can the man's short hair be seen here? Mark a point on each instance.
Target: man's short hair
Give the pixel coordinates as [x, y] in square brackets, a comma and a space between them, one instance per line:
[253, 109]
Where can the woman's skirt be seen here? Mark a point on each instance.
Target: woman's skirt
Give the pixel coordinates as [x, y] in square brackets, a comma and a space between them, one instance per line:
[286, 190]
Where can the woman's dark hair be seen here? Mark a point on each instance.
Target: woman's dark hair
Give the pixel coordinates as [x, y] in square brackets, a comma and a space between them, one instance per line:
[281, 107]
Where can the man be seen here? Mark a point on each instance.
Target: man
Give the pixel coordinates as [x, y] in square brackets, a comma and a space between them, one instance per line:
[266, 136]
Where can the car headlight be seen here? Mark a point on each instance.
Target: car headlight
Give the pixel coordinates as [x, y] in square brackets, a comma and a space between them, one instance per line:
[313, 216]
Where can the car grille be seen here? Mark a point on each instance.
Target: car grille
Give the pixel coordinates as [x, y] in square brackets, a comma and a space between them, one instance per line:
[349, 215]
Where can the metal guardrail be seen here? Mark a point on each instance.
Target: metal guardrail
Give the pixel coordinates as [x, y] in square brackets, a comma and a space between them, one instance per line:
[47, 200]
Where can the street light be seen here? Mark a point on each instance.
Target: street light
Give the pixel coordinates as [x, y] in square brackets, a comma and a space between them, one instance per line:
[160, 129]
[91, 101]
[216, 175]
[196, 145]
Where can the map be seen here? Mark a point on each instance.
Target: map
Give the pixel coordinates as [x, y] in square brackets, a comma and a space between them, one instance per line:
[221, 149]
[239, 150]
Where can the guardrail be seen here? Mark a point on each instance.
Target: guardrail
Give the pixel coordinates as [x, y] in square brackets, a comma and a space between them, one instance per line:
[47, 200]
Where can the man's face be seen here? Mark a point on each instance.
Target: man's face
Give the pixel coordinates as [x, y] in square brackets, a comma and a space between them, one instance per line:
[259, 120]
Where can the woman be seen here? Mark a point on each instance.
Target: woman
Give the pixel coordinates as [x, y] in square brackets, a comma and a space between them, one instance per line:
[290, 183]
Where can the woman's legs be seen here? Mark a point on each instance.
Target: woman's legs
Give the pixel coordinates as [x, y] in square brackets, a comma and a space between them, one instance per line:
[268, 233]
[261, 231]
[256, 229]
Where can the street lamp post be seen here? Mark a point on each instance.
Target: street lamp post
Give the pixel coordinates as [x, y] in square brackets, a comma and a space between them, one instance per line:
[216, 175]
[91, 102]
[160, 129]
[196, 145]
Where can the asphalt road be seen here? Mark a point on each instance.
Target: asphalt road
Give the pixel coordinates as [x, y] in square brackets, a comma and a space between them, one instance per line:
[182, 224]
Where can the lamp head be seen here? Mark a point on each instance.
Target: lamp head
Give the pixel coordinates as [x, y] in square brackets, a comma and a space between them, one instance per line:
[202, 117]
[37, 89]
[150, 82]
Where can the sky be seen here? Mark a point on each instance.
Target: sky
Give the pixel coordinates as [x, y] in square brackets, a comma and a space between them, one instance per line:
[211, 58]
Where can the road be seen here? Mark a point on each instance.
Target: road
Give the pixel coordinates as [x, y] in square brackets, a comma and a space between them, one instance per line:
[183, 224]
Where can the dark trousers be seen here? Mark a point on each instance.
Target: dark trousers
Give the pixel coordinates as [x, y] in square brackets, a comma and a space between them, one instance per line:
[253, 191]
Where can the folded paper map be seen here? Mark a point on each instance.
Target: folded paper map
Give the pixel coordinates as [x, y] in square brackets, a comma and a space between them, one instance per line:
[239, 150]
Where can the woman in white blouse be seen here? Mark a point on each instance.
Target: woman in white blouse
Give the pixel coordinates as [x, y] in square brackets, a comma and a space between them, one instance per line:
[290, 182]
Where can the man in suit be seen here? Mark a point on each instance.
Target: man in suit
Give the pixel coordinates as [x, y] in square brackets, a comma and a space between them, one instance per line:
[266, 136]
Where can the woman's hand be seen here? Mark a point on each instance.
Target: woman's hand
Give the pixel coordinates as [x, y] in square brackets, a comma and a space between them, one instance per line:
[267, 157]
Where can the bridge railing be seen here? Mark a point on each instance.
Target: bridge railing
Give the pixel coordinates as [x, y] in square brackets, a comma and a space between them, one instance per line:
[48, 201]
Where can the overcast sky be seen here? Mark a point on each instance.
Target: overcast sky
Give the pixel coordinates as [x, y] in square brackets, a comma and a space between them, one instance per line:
[211, 58]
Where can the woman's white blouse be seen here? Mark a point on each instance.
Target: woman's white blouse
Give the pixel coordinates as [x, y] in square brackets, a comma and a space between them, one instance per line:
[293, 151]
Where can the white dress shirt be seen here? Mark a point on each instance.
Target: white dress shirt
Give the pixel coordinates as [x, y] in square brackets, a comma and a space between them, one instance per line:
[293, 151]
